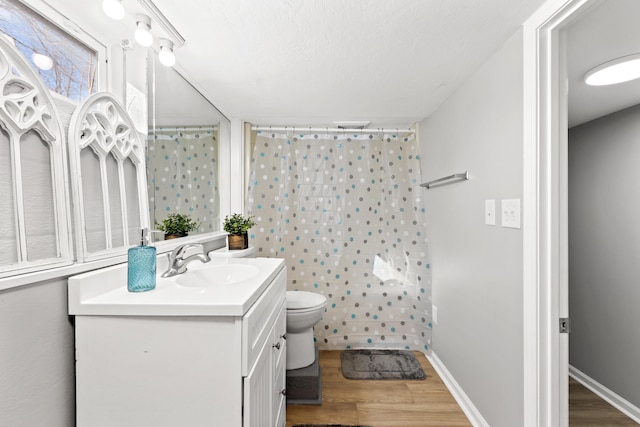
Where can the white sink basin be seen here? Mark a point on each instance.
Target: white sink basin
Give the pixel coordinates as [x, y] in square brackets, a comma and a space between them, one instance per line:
[212, 275]
[210, 289]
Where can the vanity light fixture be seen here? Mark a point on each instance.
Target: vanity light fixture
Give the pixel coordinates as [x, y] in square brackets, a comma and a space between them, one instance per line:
[113, 9]
[143, 30]
[615, 71]
[166, 56]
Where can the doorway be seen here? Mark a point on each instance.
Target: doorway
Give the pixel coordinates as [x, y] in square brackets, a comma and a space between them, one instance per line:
[545, 217]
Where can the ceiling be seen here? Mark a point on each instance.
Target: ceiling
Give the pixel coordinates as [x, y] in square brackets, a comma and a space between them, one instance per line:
[392, 62]
[607, 31]
[301, 62]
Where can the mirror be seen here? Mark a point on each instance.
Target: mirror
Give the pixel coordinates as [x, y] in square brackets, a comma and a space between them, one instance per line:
[183, 150]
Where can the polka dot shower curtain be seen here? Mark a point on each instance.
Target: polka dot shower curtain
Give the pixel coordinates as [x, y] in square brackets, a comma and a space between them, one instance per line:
[182, 167]
[347, 215]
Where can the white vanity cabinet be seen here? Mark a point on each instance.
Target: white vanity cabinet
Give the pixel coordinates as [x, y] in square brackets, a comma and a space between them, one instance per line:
[264, 386]
[221, 367]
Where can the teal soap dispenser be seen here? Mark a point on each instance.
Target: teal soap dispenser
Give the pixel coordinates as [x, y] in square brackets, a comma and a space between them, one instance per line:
[141, 268]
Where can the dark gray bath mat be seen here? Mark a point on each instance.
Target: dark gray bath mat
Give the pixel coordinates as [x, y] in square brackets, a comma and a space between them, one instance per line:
[381, 365]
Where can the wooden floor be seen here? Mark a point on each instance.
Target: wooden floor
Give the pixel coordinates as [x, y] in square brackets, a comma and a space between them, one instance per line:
[386, 403]
[420, 403]
[588, 409]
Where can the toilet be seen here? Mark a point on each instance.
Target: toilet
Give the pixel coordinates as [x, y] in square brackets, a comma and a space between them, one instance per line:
[304, 310]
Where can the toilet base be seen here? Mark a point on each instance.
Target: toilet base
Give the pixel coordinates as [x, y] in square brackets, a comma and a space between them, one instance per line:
[304, 385]
[300, 349]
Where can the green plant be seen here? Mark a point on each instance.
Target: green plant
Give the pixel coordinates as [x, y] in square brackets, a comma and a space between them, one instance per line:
[176, 223]
[237, 223]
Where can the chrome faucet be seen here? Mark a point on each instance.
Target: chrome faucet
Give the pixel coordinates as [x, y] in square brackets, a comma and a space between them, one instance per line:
[177, 261]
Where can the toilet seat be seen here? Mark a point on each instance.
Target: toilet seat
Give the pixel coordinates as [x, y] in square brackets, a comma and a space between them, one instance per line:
[304, 310]
[303, 301]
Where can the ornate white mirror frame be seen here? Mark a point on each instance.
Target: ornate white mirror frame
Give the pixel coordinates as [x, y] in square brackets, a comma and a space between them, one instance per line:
[107, 154]
[31, 138]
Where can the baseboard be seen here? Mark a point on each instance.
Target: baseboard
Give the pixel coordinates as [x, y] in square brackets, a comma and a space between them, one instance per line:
[618, 402]
[458, 393]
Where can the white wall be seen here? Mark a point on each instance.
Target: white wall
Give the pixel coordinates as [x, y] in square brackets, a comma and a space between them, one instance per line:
[604, 251]
[37, 382]
[477, 269]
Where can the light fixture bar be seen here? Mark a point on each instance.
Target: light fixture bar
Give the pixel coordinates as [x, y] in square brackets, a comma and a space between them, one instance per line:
[615, 71]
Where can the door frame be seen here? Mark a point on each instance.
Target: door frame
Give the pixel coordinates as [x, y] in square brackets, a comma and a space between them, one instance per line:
[545, 219]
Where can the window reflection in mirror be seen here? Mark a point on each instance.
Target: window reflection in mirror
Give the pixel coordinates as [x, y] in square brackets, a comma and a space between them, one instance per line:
[182, 151]
[67, 66]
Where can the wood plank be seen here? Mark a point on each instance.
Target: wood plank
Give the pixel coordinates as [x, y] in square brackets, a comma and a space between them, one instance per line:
[411, 414]
[327, 413]
[587, 409]
[384, 403]
[420, 403]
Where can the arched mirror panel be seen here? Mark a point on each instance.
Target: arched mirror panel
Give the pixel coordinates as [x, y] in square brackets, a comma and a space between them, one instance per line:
[32, 175]
[8, 229]
[40, 229]
[107, 158]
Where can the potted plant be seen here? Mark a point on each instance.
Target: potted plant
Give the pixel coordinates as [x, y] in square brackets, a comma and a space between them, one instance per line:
[177, 225]
[237, 226]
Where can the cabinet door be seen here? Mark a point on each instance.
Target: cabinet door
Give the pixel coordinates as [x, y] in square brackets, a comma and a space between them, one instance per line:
[279, 373]
[258, 386]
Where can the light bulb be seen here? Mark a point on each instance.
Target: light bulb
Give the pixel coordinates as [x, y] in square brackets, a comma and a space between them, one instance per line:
[42, 61]
[113, 9]
[166, 56]
[143, 31]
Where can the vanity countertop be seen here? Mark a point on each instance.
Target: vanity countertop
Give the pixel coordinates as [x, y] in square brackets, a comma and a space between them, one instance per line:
[104, 291]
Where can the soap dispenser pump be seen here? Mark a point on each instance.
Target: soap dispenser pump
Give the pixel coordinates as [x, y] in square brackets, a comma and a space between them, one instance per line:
[141, 268]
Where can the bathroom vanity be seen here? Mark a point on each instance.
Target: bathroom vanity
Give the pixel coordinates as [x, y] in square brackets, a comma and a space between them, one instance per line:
[205, 348]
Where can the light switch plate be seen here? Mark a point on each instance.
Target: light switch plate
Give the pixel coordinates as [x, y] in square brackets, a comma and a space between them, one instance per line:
[490, 212]
[511, 213]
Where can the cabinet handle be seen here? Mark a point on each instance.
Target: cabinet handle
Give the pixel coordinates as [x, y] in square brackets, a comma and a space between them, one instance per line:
[277, 345]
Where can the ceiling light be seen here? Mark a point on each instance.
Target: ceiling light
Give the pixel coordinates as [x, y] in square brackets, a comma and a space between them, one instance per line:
[113, 9]
[166, 56]
[42, 61]
[143, 31]
[616, 71]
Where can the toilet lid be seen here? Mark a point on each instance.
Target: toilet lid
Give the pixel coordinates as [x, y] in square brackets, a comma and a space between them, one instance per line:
[298, 300]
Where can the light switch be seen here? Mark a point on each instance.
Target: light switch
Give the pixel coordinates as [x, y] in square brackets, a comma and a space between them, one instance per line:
[490, 212]
[511, 213]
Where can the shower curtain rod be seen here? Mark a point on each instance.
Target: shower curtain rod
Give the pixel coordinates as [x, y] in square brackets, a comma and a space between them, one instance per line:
[186, 128]
[330, 130]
